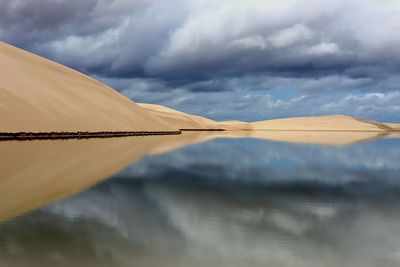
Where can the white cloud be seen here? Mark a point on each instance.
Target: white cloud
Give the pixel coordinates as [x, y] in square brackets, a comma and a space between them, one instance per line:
[322, 49]
[253, 41]
[289, 36]
[188, 49]
[367, 104]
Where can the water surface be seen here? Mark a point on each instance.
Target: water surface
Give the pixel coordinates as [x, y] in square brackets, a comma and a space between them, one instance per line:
[226, 202]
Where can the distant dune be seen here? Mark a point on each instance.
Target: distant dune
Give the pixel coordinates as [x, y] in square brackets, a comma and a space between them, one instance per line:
[321, 123]
[344, 123]
[38, 95]
[236, 125]
[187, 121]
[393, 126]
[180, 119]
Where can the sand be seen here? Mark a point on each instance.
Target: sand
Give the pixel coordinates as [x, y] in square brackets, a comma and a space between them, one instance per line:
[187, 121]
[321, 123]
[38, 95]
[179, 119]
[235, 125]
[394, 126]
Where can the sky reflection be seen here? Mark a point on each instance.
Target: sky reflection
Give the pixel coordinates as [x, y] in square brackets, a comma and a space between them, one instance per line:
[228, 202]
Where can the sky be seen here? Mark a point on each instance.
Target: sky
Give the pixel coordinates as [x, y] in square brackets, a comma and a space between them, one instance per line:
[225, 59]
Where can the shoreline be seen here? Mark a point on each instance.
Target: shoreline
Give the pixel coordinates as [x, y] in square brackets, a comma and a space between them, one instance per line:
[21, 136]
[8, 136]
[202, 130]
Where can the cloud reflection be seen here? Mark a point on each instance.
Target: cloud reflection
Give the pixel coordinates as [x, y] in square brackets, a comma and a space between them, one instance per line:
[278, 205]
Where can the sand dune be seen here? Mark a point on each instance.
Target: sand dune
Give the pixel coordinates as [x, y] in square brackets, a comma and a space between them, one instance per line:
[183, 120]
[235, 125]
[38, 95]
[321, 123]
[393, 126]
[179, 119]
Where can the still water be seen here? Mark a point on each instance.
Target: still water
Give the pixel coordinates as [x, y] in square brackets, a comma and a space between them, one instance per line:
[225, 202]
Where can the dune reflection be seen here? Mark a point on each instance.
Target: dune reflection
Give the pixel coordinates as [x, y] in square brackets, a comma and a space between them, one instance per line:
[157, 224]
[330, 138]
[36, 173]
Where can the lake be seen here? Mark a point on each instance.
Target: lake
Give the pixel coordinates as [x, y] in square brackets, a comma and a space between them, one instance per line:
[197, 200]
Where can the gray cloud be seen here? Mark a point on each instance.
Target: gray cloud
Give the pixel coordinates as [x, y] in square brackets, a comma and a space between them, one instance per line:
[310, 47]
[191, 40]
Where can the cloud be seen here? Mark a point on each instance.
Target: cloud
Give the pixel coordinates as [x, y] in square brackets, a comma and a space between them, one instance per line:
[256, 98]
[367, 104]
[191, 40]
[291, 36]
[311, 47]
[323, 49]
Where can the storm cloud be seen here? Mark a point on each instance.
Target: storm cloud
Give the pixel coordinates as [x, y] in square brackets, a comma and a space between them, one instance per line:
[177, 50]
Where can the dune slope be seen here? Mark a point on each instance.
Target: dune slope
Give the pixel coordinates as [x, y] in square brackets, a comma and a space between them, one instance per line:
[180, 119]
[236, 125]
[38, 95]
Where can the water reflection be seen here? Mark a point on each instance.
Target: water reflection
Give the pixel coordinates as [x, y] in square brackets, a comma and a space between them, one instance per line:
[227, 202]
